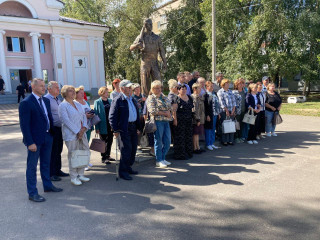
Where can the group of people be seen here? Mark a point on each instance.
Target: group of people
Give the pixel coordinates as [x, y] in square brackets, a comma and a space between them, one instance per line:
[194, 109]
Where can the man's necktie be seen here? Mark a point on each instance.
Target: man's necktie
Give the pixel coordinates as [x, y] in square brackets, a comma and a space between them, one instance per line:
[44, 113]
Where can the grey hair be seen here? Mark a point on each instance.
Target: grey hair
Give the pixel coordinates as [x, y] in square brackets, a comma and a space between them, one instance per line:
[200, 78]
[36, 80]
[218, 74]
[51, 83]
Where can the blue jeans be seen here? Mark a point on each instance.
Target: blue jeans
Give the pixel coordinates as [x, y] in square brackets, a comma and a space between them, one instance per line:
[244, 130]
[162, 140]
[270, 128]
[211, 133]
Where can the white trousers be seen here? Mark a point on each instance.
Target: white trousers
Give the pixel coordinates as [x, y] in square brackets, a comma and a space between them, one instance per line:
[73, 145]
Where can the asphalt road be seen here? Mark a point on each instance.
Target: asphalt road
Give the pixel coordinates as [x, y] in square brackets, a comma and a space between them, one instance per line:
[265, 191]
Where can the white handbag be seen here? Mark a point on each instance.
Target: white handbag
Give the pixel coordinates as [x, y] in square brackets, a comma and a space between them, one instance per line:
[80, 158]
[249, 117]
[228, 126]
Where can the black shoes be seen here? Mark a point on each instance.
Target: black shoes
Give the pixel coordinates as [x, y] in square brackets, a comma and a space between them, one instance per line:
[133, 172]
[230, 143]
[126, 177]
[63, 174]
[36, 198]
[55, 178]
[198, 151]
[53, 189]
[225, 144]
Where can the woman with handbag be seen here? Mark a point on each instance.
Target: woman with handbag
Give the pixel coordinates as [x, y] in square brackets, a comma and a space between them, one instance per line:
[228, 105]
[212, 112]
[253, 104]
[74, 127]
[182, 144]
[261, 115]
[273, 107]
[159, 108]
[198, 117]
[103, 128]
[240, 96]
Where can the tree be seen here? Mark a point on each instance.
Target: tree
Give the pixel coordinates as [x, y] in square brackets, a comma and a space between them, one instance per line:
[183, 39]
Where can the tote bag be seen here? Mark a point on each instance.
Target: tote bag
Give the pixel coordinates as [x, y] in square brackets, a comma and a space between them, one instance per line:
[249, 117]
[228, 126]
[80, 158]
[277, 119]
[98, 145]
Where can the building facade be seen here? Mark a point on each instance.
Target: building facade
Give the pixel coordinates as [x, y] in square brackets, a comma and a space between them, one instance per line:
[36, 42]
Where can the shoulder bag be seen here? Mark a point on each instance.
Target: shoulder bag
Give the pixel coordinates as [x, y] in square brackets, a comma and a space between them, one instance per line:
[228, 126]
[277, 119]
[98, 145]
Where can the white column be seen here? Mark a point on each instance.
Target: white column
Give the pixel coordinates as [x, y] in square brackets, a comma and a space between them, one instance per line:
[69, 68]
[93, 63]
[101, 62]
[36, 54]
[58, 58]
[3, 65]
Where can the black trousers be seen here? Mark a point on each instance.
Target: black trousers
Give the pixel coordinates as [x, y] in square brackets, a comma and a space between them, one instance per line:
[19, 96]
[252, 134]
[57, 146]
[262, 122]
[108, 139]
[128, 143]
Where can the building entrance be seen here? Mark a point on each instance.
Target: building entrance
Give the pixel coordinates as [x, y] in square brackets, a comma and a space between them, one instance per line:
[18, 76]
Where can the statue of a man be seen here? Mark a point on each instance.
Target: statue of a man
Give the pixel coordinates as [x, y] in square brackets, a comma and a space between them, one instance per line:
[150, 45]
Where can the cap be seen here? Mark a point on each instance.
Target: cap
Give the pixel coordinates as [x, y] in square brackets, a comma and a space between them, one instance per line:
[125, 83]
[117, 80]
[265, 78]
[135, 85]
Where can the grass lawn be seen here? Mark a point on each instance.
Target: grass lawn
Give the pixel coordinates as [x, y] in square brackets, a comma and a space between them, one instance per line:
[304, 109]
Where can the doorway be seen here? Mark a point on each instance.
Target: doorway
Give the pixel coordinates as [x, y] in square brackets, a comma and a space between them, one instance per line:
[18, 76]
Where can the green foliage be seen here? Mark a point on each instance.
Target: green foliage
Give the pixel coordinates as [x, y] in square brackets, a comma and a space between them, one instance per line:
[255, 38]
[183, 39]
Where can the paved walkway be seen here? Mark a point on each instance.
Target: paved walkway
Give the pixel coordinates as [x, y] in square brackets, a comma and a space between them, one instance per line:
[9, 114]
[246, 192]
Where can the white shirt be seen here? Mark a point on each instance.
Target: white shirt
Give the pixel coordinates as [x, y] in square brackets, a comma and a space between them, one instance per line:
[44, 106]
[255, 100]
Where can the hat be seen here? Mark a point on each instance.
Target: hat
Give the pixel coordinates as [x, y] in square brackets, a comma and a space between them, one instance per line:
[125, 83]
[265, 78]
[117, 80]
[135, 85]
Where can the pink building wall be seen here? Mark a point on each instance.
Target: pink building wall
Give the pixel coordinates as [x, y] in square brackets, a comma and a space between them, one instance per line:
[46, 58]
[14, 9]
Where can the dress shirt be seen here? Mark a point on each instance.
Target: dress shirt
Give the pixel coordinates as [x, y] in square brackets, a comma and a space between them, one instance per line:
[226, 99]
[54, 104]
[44, 107]
[132, 109]
[71, 120]
[188, 88]
[255, 100]
[114, 94]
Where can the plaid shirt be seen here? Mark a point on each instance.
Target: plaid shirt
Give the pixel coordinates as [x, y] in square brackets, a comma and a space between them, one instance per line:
[215, 104]
[226, 99]
[157, 104]
[238, 101]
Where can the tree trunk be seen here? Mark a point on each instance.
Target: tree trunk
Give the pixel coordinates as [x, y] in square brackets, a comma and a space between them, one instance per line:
[305, 88]
[279, 84]
[309, 88]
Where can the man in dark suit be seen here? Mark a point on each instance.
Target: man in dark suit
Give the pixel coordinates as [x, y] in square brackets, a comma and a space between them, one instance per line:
[124, 121]
[35, 123]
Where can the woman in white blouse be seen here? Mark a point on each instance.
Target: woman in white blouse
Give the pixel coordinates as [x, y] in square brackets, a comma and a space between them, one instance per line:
[74, 127]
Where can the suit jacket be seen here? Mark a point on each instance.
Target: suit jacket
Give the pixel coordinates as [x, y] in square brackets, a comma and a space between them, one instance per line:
[99, 109]
[250, 101]
[119, 114]
[33, 122]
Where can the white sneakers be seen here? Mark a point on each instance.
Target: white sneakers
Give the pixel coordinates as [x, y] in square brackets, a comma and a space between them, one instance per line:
[215, 147]
[161, 164]
[255, 142]
[249, 142]
[274, 134]
[209, 148]
[258, 138]
[166, 162]
[78, 181]
[84, 179]
[268, 134]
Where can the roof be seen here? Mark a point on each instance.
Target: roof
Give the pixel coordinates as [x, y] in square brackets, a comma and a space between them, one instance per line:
[81, 22]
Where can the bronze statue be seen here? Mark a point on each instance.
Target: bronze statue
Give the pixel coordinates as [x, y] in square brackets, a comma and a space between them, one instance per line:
[150, 45]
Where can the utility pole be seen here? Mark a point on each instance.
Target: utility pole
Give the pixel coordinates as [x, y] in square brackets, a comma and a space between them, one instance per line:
[214, 52]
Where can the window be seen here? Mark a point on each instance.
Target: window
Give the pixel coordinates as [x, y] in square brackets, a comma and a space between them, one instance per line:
[16, 44]
[42, 47]
[45, 75]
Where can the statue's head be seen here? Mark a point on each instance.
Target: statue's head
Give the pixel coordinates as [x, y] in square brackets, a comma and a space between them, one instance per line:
[148, 24]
